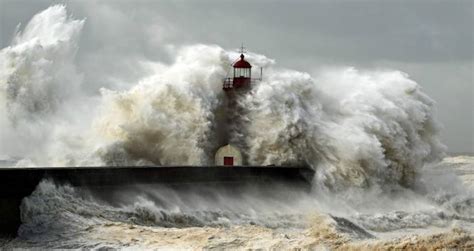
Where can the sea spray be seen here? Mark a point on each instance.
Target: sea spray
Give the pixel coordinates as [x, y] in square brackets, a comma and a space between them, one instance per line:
[38, 72]
[166, 118]
[354, 128]
[39, 83]
[364, 132]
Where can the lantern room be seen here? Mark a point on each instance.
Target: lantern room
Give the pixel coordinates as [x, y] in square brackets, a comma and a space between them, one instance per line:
[241, 74]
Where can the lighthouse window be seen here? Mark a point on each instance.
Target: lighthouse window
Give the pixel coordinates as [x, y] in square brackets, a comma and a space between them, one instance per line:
[242, 72]
[246, 72]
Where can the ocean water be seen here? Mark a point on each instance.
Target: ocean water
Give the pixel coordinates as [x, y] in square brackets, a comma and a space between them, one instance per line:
[158, 217]
[382, 176]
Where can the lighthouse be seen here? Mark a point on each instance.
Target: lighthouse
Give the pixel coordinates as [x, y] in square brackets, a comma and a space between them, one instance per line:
[235, 87]
[242, 73]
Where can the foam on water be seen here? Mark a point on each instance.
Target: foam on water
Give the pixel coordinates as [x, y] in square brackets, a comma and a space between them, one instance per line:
[355, 128]
[371, 136]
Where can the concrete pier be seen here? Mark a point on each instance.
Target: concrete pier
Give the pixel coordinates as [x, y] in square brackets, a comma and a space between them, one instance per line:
[17, 182]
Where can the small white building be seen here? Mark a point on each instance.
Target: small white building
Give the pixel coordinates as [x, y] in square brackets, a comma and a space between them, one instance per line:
[228, 156]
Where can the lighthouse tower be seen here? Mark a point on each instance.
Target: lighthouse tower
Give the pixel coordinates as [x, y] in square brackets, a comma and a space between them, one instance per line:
[235, 87]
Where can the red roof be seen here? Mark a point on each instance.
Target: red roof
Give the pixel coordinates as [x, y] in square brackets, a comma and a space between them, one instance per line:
[242, 63]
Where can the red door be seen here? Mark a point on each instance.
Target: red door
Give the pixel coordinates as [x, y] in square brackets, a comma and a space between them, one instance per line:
[228, 161]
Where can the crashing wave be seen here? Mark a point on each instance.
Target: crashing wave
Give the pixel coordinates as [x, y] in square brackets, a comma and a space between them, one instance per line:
[355, 128]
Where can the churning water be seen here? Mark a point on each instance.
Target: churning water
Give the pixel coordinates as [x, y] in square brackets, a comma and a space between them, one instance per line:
[370, 136]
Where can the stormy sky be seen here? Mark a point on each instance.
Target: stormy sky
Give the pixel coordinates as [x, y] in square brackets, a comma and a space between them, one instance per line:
[432, 41]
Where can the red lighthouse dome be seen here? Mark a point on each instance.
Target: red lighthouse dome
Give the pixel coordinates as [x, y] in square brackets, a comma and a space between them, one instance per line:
[242, 63]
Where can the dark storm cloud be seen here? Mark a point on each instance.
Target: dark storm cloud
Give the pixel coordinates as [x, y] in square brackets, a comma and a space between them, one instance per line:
[430, 40]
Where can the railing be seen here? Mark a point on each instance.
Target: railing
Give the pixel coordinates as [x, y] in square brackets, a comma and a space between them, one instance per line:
[228, 84]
